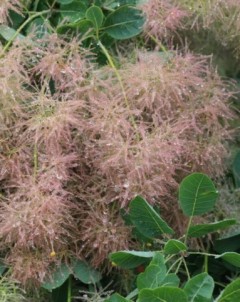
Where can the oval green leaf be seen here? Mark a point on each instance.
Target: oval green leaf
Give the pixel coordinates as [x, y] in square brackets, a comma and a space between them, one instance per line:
[74, 11]
[174, 246]
[58, 277]
[146, 219]
[86, 273]
[231, 293]
[204, 229]
[124, 23]
[95, 15]
[197, 194]
[199, 288]
[130, 259]
[162, 294]
[117, 298]
[231, 257]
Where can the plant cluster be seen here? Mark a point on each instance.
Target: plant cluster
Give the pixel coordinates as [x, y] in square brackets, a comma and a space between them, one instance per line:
[160, 280]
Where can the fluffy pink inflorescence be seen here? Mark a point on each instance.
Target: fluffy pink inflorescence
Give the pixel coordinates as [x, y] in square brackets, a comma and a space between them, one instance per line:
[162, 18]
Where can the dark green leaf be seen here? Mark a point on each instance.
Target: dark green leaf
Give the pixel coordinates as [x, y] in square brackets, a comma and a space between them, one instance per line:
[117, 298]
[130, 259]
[197, 194]
[146, 219]
[199, 288]
[174, 246]
[231, 257]
[95, 15]
[58, 278]
[125, 22]
[3, 267]
[86, 273]
[162, 294]
[65, 1]
[203, 229]
[227, 244]
[74, 11]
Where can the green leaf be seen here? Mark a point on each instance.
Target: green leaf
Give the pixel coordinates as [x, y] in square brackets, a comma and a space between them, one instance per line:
[40, 27]
[124, 23]
[231, 293]
[199, 288]
[8, 33]
[64, 1]
[231, 257]
[116, 298]
[203, 229]
[230, 243]
[171, 280]
[236, 169]
[95, 15]
[86, 273]
[174, 246]
[197, 194]
[154, 274]
[3, 268]
[83, 27]
[74, 11]
[58, 278]
[162, 294]
[130, 259]
[146, 219]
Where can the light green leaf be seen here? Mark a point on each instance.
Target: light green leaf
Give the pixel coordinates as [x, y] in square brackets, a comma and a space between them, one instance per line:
[86, 273]
[162, 294]
[124, 23]
[199, 288]
[197, 194]
[231, 293]
[146, 219]
[117, 298]
[231, 257]
[132, 294]
[174, 246]
[74, 11]
[203, 229]
[9, 33]
[95, 15]
[130, 259]
[154, 274]
[58, 278]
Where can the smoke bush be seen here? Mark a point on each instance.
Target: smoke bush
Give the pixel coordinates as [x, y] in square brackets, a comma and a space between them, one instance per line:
[76, 152]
